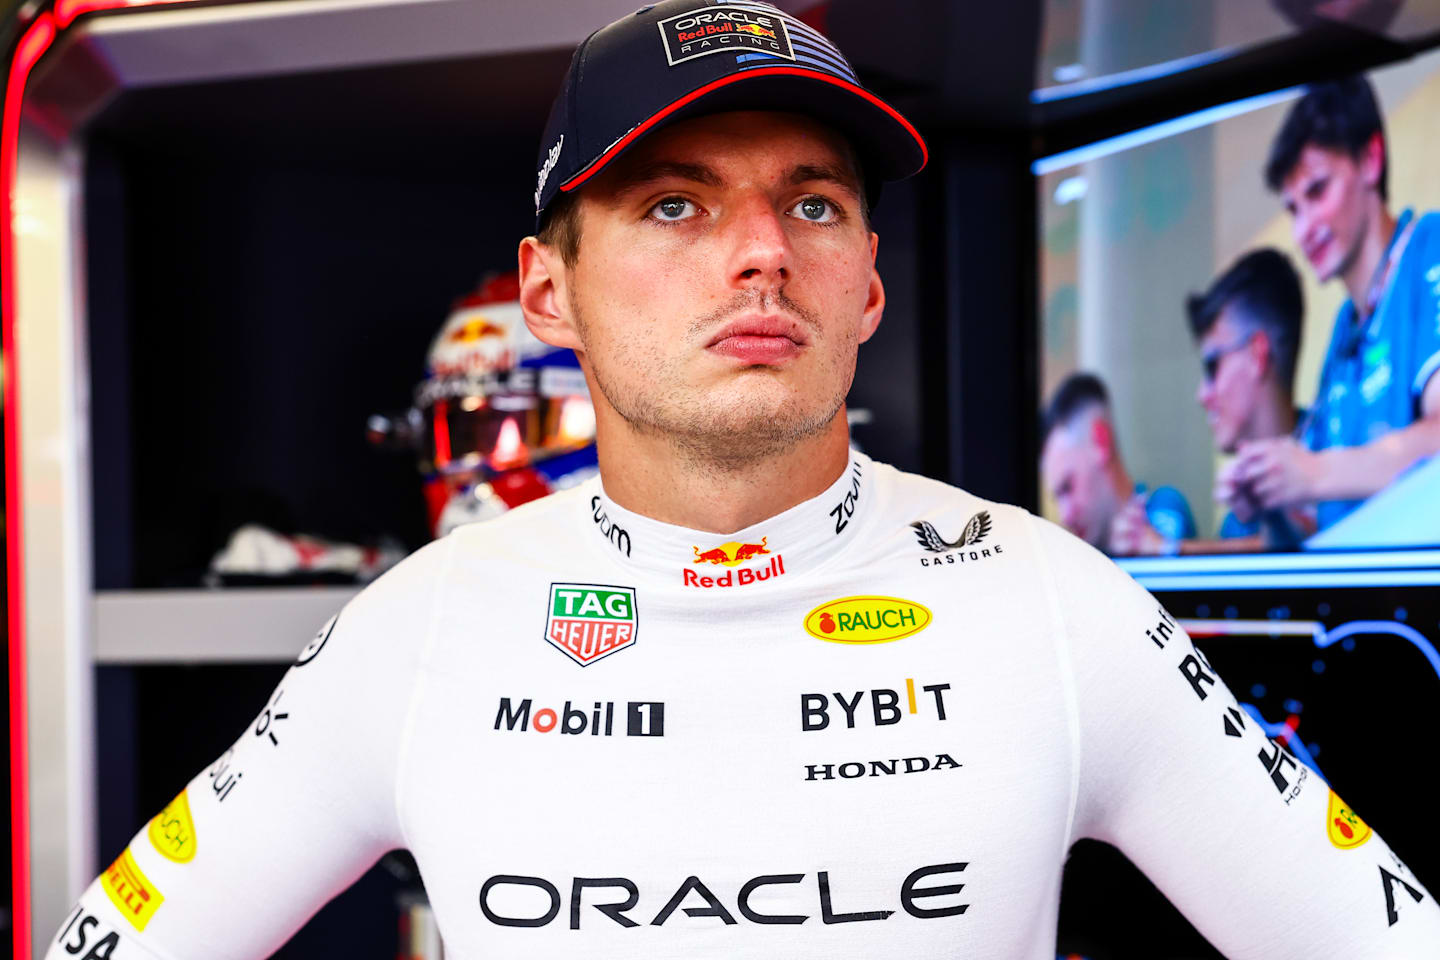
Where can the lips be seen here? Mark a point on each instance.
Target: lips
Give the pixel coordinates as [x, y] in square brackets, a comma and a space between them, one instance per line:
[759, 339]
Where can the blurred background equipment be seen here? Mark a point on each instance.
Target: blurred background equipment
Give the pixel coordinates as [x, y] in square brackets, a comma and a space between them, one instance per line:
[500, 418]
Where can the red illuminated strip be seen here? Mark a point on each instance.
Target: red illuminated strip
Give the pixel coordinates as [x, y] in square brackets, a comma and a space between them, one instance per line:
[66, 11]
[35, 42]
[639, 131]
[28, 51]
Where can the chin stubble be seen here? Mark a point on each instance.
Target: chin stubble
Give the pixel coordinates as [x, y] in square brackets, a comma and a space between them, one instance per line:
[723, 436]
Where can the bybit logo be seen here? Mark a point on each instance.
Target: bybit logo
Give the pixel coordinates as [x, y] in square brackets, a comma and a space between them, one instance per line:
[884, 706]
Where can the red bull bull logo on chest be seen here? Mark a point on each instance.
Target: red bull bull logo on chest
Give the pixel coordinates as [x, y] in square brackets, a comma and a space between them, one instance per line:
[733, 554]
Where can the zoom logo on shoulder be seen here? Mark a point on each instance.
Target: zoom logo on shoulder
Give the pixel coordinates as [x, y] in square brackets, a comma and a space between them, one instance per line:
[644, 718]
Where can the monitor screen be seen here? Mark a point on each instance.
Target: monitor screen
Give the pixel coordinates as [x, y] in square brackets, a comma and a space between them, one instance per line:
[1240, 338]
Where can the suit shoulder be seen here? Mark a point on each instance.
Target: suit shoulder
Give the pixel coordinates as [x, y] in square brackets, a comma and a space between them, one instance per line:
[935, 500]
[549, 519]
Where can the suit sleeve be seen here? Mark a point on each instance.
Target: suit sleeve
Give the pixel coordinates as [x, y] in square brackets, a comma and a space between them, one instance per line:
[1255, 848]
[294, 812]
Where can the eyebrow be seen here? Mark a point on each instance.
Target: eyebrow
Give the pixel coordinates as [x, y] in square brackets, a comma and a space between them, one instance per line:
[702, 174]
[668, 170]
[809, 172]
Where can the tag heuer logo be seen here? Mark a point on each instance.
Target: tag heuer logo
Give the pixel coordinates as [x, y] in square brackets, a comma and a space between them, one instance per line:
[588, 621]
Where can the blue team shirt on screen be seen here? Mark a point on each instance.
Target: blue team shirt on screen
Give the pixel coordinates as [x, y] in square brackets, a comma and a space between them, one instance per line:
[1169, 513]
[1373, 379]
[1280, 533]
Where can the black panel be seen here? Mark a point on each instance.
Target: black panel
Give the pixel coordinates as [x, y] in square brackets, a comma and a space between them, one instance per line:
[265, 275]
[158, 727]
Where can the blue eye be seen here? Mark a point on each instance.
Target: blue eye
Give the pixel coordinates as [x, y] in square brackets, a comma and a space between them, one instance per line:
[815, 210]
[673, 209]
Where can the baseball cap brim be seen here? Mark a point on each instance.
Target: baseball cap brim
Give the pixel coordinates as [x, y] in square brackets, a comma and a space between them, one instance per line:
[889, 145]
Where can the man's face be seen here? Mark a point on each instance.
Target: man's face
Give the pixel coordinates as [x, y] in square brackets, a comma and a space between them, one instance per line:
[1072, 467]
[1230, 398]
[1326, 196]
[725, 282]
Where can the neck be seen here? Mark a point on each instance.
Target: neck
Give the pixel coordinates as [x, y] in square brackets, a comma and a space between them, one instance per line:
[1274, 416]
[647, 474]
[1376, 240]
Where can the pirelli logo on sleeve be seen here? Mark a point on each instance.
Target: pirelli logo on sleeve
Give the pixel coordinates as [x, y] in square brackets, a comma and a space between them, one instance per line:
[131, 891]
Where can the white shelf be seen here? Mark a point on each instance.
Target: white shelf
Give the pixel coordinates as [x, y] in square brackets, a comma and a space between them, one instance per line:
[211, 626]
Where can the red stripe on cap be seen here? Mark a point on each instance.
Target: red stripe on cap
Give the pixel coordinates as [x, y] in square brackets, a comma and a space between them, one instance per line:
[599, 163]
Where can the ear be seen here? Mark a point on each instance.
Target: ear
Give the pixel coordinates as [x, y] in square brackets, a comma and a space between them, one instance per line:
[875, 295]
[1372, 159]
[1262, 351]
[1103, 437]
[543, 295]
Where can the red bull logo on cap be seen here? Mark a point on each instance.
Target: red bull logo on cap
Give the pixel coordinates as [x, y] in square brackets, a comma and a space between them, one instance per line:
[723, 29]
[733, 554]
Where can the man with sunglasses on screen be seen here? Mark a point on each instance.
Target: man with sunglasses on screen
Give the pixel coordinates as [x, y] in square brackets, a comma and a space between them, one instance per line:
[749, 693]
[1247, 329]
[1377, 409]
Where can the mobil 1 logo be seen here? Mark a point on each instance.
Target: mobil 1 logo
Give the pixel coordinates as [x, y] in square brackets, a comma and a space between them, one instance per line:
[645, 718]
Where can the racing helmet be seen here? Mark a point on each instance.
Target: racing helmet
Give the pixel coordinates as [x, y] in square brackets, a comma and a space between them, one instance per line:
[494, 397]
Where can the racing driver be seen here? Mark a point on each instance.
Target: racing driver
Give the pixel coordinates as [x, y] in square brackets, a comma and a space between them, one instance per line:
[869, 713]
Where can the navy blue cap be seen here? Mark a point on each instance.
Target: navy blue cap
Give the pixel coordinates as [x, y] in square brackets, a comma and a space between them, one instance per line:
[683, 58]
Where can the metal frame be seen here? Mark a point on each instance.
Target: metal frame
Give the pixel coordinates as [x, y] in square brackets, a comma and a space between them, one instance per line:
[63, 72]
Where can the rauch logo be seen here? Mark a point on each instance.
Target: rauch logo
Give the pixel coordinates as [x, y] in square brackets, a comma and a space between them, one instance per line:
[866, 620]
[588, 621]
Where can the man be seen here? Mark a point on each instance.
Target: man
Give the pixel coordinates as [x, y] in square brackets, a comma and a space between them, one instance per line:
[1083, 470]
[748, 693]
[1377, 410]
[1247, 329]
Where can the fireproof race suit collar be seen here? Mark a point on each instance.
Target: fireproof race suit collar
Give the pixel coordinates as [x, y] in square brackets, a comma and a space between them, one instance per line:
[796, 541]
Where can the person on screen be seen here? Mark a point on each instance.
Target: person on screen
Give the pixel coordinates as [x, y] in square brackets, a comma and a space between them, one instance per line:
[1247, 329]
[1082, 469]
[1377, 409]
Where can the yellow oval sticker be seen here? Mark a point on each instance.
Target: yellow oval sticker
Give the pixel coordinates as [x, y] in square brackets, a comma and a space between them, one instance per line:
[866, 620]
[172, 832]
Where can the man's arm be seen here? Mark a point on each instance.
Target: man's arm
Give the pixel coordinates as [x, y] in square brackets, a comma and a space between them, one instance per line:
[295, 811]
[1231, 827]
[1283, 473]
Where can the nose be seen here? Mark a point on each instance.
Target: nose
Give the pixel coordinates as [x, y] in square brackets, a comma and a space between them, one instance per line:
[762, 256]
[1303, 226]
[1204, 392]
